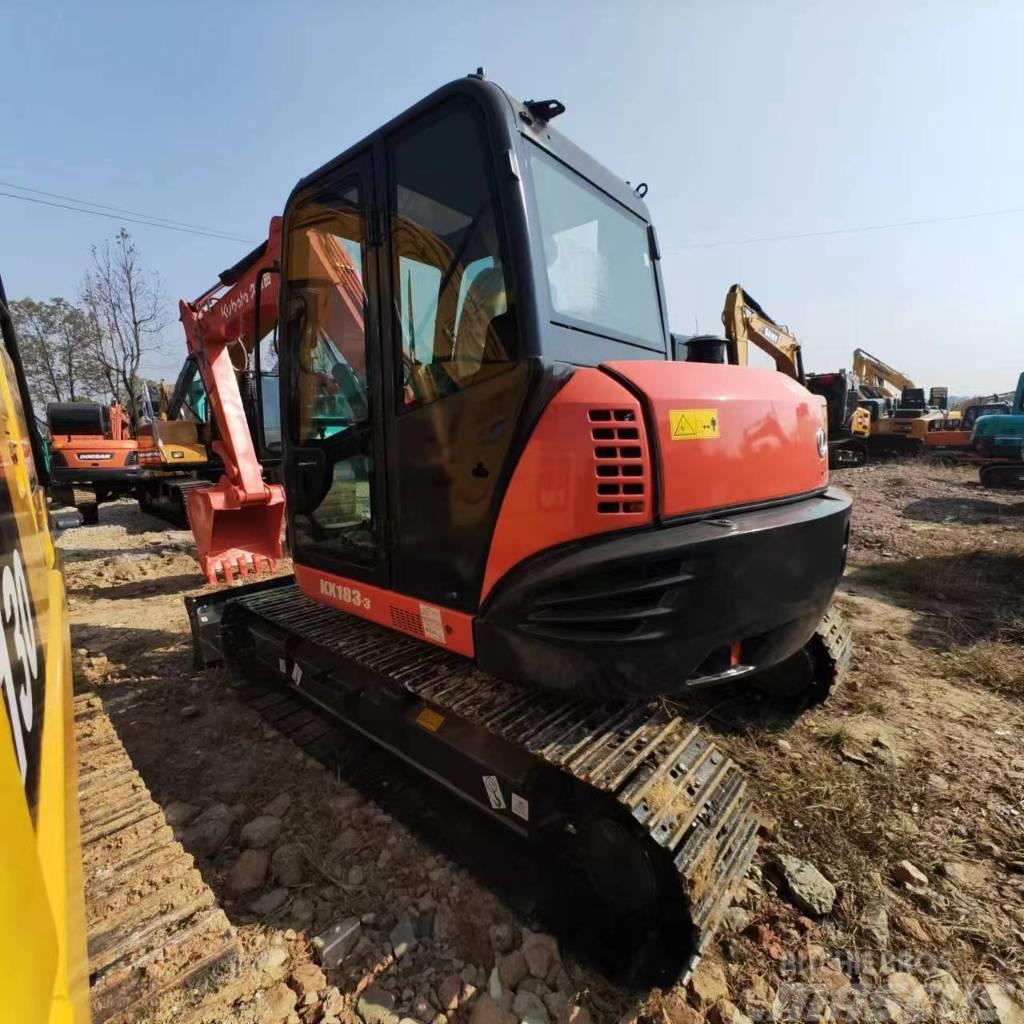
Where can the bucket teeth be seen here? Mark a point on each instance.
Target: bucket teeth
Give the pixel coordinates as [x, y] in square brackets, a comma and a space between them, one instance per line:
[232, 565]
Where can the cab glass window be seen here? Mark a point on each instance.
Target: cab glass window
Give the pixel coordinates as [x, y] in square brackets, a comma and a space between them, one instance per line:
[598, 255]
[456, 319]
[326, 316]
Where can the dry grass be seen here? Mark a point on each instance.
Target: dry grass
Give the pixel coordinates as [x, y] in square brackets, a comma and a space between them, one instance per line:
[993, 664]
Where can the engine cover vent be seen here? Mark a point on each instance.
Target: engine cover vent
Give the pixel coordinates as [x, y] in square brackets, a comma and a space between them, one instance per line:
[620, 462]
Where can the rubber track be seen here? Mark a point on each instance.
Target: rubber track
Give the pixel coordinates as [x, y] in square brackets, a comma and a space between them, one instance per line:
[178, 518]
[157, 938]
[688, 795]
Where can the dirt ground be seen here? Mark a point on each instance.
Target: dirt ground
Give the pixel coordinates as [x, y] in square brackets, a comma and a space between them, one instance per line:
[905, 792]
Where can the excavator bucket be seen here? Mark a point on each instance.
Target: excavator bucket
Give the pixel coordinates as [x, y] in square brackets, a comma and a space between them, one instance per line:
[236, 540]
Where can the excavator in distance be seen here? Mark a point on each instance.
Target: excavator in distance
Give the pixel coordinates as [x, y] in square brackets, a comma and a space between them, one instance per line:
[514, 521]
[93, 456]
[848, 425]
[901, 414]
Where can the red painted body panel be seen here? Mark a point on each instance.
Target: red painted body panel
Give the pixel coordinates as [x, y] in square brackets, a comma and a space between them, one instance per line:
[766, 427]
[441, 626]
[585, 470]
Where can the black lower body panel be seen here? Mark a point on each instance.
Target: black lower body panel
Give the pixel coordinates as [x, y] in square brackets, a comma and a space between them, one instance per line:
[663, 610]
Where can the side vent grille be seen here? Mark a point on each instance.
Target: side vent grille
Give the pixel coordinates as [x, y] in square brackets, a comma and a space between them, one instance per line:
[620, 460]
[408, 622]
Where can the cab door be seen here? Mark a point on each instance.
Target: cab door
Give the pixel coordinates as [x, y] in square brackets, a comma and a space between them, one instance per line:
[330, 355]
[460, 378]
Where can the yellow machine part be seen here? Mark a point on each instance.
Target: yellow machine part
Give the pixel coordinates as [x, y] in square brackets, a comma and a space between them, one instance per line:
[860, 424]
[171, 444]
[43, 941]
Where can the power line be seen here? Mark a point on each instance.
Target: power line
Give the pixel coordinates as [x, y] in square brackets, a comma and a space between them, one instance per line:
[848, 231]
[115, 209]
[171, 226]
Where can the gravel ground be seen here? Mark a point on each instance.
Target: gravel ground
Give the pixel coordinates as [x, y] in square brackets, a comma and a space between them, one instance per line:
[890, 881]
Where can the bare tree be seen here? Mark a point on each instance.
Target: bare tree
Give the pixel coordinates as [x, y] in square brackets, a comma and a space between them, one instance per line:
[125, 304]
[57, 338]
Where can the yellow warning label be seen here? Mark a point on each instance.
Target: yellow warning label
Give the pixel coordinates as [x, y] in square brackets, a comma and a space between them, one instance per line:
[693, 424]
[430, 719]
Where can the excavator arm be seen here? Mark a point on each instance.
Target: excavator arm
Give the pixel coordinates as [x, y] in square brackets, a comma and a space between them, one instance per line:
[746, 323]
[873, 373]
[237, 523]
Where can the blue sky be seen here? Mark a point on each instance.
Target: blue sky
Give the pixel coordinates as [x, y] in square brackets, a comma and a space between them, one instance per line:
[747, 120]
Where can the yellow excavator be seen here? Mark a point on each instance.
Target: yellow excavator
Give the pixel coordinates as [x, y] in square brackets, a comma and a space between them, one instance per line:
[746, 323]
[76, 817]
[42, 943]
[901, 414]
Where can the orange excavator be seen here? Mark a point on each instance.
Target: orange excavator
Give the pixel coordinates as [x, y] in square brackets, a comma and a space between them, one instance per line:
[93, 456]
[515, 521]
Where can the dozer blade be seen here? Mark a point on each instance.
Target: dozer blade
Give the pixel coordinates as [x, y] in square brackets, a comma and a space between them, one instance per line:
[232, 539]
[633, 811]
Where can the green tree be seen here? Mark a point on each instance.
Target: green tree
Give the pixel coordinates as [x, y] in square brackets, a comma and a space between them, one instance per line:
[57, 340]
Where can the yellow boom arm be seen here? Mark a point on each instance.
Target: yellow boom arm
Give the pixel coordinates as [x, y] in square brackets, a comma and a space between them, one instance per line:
[746, 323]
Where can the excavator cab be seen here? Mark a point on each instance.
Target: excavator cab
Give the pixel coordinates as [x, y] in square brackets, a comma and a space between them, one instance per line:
[479, 378]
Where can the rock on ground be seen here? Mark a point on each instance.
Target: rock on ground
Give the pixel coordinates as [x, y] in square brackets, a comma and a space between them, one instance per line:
[375, 1005]
[487, 1011]
[307, 978]
[334, 944]
[261, 831]
[179, 813]
[875, 923]
[909, 874]
[402, 937]
[540, 952]
[209, 831]
[249, 872]
[810, 889]
[512, 969]
[278, 807]
[530, 1008]
[278, 1002]
[708, 984]
[288, 864]
[270, 902]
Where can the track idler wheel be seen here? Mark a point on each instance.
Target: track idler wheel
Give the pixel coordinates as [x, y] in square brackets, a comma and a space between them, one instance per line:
[1005, 476]
[806, 679]
[616, 898]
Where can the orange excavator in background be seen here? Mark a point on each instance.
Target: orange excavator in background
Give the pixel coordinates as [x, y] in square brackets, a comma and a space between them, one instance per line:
[93, 456]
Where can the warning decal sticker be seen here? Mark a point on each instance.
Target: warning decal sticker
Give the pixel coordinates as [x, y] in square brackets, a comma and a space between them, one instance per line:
[430, 719]
[433, 627]
[693, 424]
[494, 793]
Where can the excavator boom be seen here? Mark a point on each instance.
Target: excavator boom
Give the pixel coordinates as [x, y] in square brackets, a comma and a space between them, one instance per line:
[746, 323]
[237, 523]
[871, 371]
